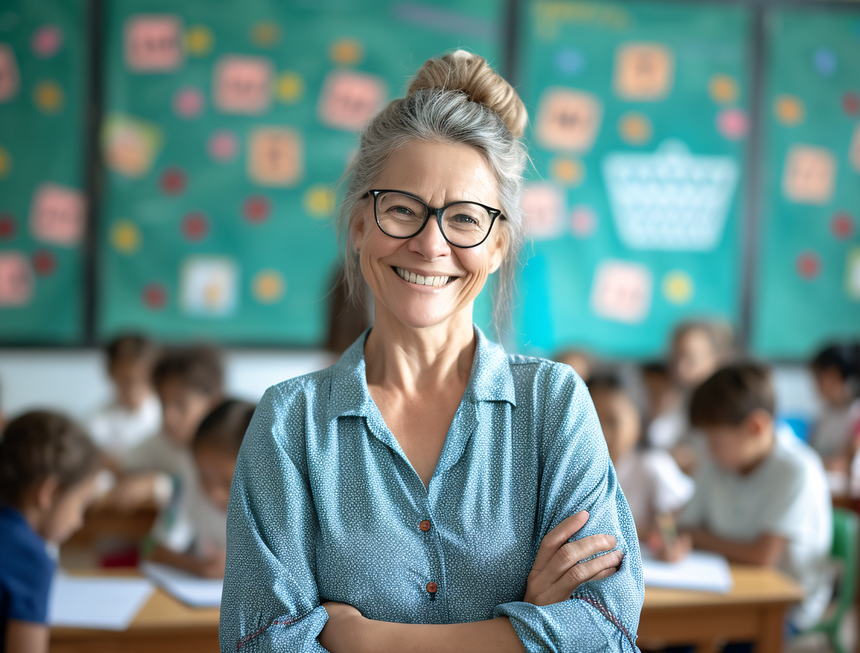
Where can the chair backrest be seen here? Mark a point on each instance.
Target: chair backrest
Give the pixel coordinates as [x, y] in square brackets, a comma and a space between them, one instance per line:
[846, 540]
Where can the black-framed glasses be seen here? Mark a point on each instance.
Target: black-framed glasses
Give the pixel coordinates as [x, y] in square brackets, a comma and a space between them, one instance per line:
[402, 215]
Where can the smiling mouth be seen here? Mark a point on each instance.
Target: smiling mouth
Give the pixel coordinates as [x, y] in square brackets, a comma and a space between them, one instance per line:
[417, 279]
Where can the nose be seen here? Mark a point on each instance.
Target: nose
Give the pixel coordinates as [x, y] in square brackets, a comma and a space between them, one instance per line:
[430, 242]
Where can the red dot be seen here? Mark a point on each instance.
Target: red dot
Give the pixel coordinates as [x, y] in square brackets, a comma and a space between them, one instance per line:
[256, 208]
[851, 103]
[195, 226]
[155, 296]
[808, 265]
[44, 262]
[7, 226]
[842, 225]
[172, 181]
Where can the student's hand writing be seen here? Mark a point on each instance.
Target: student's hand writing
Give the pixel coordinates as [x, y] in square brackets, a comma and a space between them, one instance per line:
[342, 627]
[673, 551]
[557, 570]
[132, 492]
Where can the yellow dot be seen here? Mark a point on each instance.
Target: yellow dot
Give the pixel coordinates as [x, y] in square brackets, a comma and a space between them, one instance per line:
[269, 286]
[266, 34]
[5, 163]
[49, 97]
[789, 110]
[635, 128]
[567, 171]
[291, 87]
[199, 40]
[723, 88]
[319, 201]
[346, 51]
[125, 237]
[678, 287]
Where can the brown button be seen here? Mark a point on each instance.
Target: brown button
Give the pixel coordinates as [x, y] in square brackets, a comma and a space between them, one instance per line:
[424, 525]
[432, 587]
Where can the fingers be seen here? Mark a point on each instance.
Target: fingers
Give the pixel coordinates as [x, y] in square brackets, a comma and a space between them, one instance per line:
[556, 538]
[570, 554]
[601, 566]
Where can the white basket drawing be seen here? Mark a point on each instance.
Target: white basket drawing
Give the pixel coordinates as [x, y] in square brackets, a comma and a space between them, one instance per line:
[671, 199]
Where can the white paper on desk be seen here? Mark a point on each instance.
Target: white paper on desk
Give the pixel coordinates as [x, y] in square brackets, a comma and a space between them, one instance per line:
[100, 603]
[706, 572]
[191, 590]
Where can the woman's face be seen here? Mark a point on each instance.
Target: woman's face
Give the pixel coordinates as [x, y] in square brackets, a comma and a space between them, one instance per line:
[438, 173]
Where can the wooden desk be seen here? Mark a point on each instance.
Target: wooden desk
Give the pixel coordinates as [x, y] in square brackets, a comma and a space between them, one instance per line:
[164, 625]
[753, 611]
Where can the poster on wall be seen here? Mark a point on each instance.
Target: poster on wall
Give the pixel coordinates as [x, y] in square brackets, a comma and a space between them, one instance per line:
[808, 277]
[43, 212]
[227, 129]
[639, 129]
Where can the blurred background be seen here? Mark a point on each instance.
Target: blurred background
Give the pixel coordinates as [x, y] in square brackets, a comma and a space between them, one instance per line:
[173, 168]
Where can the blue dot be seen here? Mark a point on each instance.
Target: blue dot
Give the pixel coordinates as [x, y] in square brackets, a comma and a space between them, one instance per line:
[825, 61]
[570, 61]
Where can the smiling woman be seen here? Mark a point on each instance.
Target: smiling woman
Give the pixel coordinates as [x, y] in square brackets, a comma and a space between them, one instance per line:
[430, 492]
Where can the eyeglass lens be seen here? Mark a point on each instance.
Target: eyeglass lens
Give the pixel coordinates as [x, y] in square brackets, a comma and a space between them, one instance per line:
[402, 216]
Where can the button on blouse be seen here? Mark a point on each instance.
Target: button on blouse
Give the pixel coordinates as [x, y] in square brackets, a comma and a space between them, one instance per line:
[324, 506]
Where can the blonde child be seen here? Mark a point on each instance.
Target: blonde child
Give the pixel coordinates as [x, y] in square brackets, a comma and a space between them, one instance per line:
[651, 481]
[761, 498]
[134, 413]
[48, 469]
[215, 447]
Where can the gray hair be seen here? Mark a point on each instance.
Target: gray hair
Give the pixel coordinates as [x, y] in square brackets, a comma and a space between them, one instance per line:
[448, 116]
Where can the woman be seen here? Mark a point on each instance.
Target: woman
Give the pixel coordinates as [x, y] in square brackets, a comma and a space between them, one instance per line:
[420, 494]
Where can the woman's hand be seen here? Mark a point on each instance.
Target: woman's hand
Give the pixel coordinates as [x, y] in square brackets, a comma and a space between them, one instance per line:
[557, 572]
[341, 633]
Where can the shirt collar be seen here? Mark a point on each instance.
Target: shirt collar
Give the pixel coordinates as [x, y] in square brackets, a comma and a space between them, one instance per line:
[490, 378]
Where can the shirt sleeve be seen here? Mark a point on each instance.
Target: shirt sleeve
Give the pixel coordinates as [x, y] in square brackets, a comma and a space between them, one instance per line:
[601, 615]
[29, 587]
[672, 487]
[270, 599]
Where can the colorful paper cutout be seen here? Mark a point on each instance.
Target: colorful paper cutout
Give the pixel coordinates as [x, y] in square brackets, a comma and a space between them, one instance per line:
[851, 103]
[543, 205]
[188, 102]
[671, 199]
[621, 291]
[223, 146]
[8, 226]
[243, 84]
[5, 163]
[825, 61]
[16, 279]
[209, 286]
[256, 209]
[809, 175]
[350, 99]
[44, 263]
[789, 110]
[152, 43]
[568, 120]
[643, 71]
[172, 181]
[9, 78]
[291, 87]
[49, 97]
[583, 221]
[569, 172]
[320, 201]
[723, 88]
[678, 287]
[199, 40]
[195, 226]
[47, 41]
[275, 156]
[808, 265]
[733, 124]
[346, 51]
[269, 286]
[57, 214]
[854, 149]
[125, 236]
[842, 225]
[266, 34]
[635, 128]
[852, 274]
[154, 296]
[570, 61]
[130, 145]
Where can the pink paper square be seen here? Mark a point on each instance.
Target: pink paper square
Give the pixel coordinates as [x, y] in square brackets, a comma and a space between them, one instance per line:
[153, 42]
[57, 215]
[243, 84]
[350, 99]
[16, 279]
[9, 78]
[622, 291]
[543, 205]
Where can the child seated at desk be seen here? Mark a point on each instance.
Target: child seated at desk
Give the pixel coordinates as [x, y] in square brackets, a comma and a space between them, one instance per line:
[761, 497]
[216, 446]
[650, 479]
[189, 382]
[48, 469]
[134, 414]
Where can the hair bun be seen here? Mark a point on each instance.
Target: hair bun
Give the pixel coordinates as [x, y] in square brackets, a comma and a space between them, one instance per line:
[472, 75]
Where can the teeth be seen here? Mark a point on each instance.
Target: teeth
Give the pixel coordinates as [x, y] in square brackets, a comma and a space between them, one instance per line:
[417, 279]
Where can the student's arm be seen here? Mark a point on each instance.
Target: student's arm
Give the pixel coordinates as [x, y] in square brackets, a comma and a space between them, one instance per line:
[209, 567]
[765, 551]
[26, 637]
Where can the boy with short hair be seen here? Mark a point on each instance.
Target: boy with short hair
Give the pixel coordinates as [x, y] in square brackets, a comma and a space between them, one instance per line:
[761, 498]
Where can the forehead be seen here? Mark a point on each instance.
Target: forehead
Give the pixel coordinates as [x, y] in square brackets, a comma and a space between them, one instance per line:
[440, 173]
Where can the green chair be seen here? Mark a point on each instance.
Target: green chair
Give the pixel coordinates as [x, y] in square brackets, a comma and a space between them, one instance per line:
[846, 541]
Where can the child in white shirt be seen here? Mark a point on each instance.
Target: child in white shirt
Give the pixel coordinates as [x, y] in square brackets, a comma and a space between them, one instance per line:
[134, 414]
[761, 498]
[837, 377]
[651, 480]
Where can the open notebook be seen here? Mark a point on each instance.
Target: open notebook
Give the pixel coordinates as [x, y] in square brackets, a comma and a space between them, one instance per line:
[99, 603]
[707, 572]
[191, 590]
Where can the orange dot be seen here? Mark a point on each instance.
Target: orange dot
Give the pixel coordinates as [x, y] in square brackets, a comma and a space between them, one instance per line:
[723, 88]
[789, 110]
[49, 97]
[346, 51]
[567, 171]
[635, 128]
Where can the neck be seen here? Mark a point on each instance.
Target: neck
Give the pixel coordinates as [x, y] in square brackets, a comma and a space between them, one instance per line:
[33, 516]
[419, 359]
[769, 440]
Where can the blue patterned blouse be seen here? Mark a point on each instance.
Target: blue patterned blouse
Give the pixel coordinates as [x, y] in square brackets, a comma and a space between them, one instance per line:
[325, 506]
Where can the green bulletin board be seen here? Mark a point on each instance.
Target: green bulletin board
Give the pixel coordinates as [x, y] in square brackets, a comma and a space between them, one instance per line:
[227, 125]
[43, 82]
[639, 115]
[809, 269]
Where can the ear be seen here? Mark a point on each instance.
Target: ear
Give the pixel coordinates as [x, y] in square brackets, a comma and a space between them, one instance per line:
[499, 253]
[758, 422]
[46, 493]
[356, 228]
